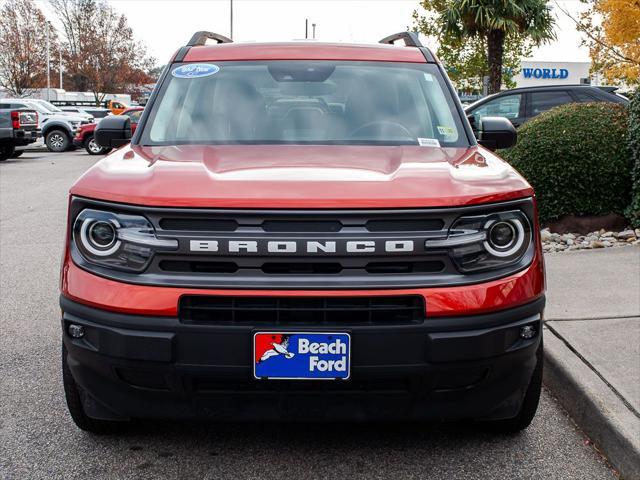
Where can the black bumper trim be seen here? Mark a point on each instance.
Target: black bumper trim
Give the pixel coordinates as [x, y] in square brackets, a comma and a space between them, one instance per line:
[161, 323]
[447, 367]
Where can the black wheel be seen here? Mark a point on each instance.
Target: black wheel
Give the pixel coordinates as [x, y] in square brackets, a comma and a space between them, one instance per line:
[93, 148]
[529, 404]
[57, 141]
[73, 394]
[5, 152]
[17, 153]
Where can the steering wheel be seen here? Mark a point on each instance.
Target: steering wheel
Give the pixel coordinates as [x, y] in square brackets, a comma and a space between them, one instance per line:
[382, 125]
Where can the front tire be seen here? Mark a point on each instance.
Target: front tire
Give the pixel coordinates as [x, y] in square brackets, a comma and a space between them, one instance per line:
[529, 403]
[57, 141]
[5, 152]
[73, 394]
[93, 148]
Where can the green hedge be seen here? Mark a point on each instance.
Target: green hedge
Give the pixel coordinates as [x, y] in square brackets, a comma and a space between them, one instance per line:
[633, 212]
[577, 158]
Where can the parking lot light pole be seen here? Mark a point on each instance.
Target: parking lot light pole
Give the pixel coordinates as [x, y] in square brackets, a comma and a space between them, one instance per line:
[231, 20]
[60, 53]
[48, 65]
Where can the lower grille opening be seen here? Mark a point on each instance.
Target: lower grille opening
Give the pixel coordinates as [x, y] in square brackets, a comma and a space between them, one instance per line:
[394, 385]
[198, 266]
[406, 267]
[300, 268]
[302, 311]
[143, 379]
[460, 379]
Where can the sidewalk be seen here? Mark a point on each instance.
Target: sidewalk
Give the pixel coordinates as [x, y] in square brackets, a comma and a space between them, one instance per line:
[592, 347]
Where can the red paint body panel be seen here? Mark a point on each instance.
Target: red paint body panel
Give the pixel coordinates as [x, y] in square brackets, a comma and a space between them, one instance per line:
[303, 51]
[304, 177]
[294, 176]
[517, 289]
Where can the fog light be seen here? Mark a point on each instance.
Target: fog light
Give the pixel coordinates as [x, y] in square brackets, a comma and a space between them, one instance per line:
[527, 332]
[76, 331]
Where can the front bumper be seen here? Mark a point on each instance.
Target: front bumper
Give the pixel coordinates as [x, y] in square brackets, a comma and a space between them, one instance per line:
[466, 367]
[78, 142]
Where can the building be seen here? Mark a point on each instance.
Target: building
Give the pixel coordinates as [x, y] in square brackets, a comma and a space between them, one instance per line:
[533, 74]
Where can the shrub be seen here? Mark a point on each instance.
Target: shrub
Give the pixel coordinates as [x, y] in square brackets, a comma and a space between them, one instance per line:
[633, 139]
[577, 159]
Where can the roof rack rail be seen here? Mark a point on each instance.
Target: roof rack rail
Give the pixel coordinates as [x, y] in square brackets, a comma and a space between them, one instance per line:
[200, 38]
[410, 39]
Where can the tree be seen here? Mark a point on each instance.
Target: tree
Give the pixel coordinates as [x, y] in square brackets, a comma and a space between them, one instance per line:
[101, 53]
[612, 28]
[23, 56]
[492, 22]
[466, 58]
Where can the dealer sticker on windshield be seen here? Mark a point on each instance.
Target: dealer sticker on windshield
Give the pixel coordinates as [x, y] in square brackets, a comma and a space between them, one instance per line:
[195, 70]
[429, 142]
[302, 355]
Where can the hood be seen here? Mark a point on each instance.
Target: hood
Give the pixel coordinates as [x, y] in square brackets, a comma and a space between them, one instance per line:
[296, 176]
[76, 116]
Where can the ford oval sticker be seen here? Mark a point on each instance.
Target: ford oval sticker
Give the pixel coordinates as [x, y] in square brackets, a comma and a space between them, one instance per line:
[195, 70]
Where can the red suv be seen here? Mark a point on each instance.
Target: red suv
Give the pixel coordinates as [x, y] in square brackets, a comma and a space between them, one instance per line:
[302, 231]
[85, 134]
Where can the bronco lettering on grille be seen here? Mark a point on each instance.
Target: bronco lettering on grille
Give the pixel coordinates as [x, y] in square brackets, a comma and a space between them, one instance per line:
[301, 246]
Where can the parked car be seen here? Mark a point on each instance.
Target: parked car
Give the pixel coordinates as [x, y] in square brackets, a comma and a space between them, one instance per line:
[57, 110]
[302, 231]
[116, 107]
[95, 112]
[18, 128]
[84, 137]
[57, 130]
[522, 104]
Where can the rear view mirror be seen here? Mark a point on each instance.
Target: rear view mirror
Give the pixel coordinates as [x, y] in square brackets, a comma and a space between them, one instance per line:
[113, 131]
[496, 132]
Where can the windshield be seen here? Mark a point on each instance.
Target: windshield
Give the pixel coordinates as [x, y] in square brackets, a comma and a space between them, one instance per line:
[304, 102]
[49, 106]
[38, 108]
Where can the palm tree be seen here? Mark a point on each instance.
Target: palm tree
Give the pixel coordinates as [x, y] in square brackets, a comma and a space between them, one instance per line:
[494, 20]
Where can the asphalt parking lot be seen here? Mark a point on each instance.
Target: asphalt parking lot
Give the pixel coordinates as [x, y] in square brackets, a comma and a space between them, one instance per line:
[38, 439]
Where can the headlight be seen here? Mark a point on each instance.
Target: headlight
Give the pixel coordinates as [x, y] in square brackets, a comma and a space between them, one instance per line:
[487, 242]
[125, 242]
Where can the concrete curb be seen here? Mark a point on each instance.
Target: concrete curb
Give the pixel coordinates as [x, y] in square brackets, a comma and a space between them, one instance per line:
[597, 410]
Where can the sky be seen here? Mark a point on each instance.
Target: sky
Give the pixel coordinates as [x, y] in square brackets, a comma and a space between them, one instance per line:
[165, 25]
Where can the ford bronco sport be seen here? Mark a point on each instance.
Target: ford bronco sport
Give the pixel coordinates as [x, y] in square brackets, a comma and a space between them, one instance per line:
[302, 231]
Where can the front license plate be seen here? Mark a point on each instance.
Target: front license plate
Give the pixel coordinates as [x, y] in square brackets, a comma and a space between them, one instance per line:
[301, 355]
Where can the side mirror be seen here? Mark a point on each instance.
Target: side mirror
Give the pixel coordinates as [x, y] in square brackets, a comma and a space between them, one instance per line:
[496, 132]
[113, 131]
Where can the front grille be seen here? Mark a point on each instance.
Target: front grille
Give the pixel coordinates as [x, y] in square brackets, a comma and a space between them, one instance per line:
[302, 311]
[320, 259]
[262, 268]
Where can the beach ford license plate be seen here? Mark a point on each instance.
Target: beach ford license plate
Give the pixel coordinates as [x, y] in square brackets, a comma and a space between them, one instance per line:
[301, 355]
